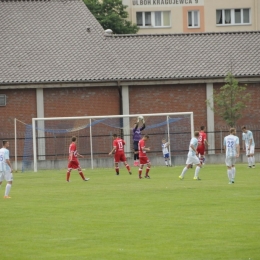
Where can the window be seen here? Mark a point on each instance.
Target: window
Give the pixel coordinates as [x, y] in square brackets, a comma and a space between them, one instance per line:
[2, 100]
[193, 19]
[153, 19]
[233, 16]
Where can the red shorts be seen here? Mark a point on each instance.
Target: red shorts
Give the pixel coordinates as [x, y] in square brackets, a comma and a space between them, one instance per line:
[201, 149]
[144, 160]
[119, 157]
[73, 164]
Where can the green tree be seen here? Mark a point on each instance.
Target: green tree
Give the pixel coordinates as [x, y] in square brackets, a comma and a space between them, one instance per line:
[230, 101]
[112, 14]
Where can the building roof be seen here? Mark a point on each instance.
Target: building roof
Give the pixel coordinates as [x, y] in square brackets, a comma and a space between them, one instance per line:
[61, 41]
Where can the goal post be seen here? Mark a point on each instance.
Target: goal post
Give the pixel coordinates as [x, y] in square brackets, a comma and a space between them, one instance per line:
[98, 131]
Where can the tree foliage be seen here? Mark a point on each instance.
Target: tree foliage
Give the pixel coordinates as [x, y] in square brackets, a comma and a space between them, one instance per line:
[230, 101]
[112, 14]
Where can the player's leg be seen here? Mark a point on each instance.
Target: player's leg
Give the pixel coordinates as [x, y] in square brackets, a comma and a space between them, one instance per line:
[141, 165]
[249, 161]
[229, 173]
[229, 169]
[1, 178]
[252, 154]
[70, 166]
[185, 169]
[123, 159]
[117, 168]
[201, 151]
[116, 162]
[233, 173]
[9, 180]
[248, 157]
[136, 154]
[166, 159]
[197, 170]
[81, 172]
[127, 167]
[148, 167]
[68, 174]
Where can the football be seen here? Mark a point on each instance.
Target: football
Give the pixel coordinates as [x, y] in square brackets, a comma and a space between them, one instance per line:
[140, 118]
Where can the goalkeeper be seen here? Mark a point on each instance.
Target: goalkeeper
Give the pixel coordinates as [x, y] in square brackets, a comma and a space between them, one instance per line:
[137, 137]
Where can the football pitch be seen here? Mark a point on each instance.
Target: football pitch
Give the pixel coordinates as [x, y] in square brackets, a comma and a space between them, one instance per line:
[121, 217]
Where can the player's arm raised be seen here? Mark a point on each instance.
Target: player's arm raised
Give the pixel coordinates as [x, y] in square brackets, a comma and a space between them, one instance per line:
[135, 127]
[143, 127]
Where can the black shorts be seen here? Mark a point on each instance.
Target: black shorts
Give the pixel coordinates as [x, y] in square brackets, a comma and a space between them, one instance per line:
[136, 145]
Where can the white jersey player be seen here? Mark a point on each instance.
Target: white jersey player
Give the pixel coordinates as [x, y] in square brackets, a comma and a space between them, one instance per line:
[192, 157]
[6, 169]
[231, 145]
[165, 151]
[249, 145]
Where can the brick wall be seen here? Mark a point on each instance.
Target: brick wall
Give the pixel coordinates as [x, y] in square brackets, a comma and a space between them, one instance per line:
[175, 98]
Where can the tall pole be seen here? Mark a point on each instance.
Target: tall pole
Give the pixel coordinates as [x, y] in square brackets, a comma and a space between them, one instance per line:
[91, 147]
[15, 146]
[34, 146]
[192, 124]
[169, 140]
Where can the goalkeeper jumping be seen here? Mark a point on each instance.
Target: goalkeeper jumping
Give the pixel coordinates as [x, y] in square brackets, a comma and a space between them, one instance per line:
[137, 137]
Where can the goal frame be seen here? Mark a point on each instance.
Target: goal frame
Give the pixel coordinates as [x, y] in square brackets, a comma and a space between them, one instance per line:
[167, 115]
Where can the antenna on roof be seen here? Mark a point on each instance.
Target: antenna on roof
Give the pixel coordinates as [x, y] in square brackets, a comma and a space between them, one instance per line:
[108, 31]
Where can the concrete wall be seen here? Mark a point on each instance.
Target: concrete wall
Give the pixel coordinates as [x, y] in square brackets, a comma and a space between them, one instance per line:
[108, 162]
[179, 12]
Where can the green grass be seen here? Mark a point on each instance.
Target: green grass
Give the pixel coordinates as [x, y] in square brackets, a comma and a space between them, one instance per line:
[122, 217]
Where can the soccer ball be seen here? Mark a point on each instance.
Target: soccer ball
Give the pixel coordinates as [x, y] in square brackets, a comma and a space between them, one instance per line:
[140, 118]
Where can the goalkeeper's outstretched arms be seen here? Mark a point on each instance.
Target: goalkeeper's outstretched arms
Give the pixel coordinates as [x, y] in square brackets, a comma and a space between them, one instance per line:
[135, 126]
[143, 127]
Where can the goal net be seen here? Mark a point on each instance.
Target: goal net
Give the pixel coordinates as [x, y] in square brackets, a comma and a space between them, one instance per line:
[47, 140]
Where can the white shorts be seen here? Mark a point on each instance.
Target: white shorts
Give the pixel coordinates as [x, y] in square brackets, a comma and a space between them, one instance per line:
[251, 151]
[230, 161]
[8, 176]
[193, 160]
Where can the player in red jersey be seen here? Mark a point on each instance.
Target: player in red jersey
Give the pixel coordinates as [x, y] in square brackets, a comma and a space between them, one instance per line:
[202, 140]
[143, 157]
[73, 160]
[118, 148]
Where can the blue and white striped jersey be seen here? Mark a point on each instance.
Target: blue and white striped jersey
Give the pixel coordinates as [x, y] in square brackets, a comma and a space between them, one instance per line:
[230, 144]
[4, 155]
[247, 136]
[194, 142]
